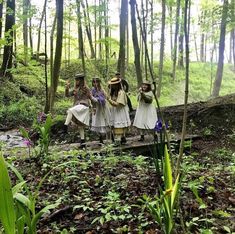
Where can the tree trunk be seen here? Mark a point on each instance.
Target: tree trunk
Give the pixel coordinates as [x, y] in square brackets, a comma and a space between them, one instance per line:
[151, 32]
[122, 45]
[100, 31]
[135, 43]
[58, 51]
[220, 65]
[202, 47]
[88, 27]
[52, 46]
[39, 29]
[1, 8]
[106, 32]
[181, 43]
[184, 124]
[26, 4]
[9, 31]
[177, 17]
[80, 36]
[234, 49]
[30, 33]
[161, 59]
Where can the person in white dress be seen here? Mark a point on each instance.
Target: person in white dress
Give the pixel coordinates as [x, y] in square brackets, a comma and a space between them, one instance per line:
[146, 114]
[101, 114]
[119, 110]
[80, 112]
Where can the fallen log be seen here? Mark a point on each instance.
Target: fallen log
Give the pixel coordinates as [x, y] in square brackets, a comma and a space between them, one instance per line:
[217, 114]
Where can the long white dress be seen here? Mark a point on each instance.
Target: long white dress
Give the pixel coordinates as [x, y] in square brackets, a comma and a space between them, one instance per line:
[101, 114]
[146, 114]
[120, 114]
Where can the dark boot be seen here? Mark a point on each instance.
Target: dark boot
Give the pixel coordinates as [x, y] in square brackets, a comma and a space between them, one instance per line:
[141, 138]
[112, 137]
[101, 139]
[155, 138]
[82, 144]
[65, 129]
[123, 140]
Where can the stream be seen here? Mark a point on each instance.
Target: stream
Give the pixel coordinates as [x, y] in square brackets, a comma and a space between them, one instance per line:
[11, 139]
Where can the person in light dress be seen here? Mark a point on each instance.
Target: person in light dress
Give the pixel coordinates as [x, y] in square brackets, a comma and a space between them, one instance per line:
[146, 114]
[101, 114]
[80, 112]
[120, 120]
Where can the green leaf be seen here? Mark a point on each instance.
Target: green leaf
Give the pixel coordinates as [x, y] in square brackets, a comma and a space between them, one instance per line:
[18, 187]
[7, 212]
[42, 212]
[20, 223]
[23, 199]
[167, 170]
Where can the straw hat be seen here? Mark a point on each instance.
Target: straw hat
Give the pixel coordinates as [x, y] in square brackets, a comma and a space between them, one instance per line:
[114, 80]
[146, 82]
[79, 76]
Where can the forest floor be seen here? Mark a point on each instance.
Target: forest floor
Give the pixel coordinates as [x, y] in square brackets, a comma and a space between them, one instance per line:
[102, 193]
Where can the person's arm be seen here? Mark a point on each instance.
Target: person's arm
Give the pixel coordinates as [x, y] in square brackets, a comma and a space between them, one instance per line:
[67, 92]
[147, 98]
[121, 99]
[125, 86]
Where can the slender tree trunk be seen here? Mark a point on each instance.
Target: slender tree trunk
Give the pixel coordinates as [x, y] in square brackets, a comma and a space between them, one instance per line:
[45, 65]
[69, 39]
[181, 42]
[58, 51]
[161, 59]
[177, 17]
[202, 45]
[52, 46]
[135, 43]
[1, 8]
[230, 47]
[106, 32]
[100, 31]
[30, 33]
[25, 29]
[122, 45]
[171, 29]
[8, 47]
[127, 39]
[88, 27]
[184, 125]
[95, 31]
[80, 34]
[195, 45]
[151, 32]
[234, 49]
[220, 65]
[39, 29]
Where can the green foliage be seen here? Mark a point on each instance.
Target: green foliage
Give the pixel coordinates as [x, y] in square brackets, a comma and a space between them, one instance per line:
[7, 213]
[19, 113]
[163, 207]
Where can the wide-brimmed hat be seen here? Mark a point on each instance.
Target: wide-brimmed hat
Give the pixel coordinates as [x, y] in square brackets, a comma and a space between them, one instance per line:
[114, 80]
[96, 79]
[79, 76]
[146, 82]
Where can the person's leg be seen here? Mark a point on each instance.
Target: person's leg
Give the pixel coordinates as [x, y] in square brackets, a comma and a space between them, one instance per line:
[68, 118]
[82, 136]
[67, 121]
[141, 135]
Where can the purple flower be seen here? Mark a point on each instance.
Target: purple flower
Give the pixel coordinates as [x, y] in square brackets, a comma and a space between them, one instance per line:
[158, 127]
[41, 117]
[27, 142]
